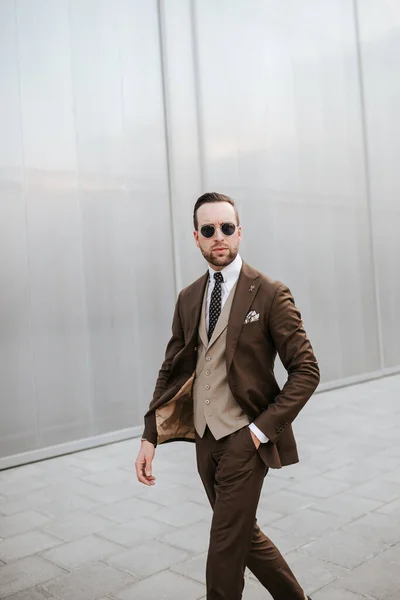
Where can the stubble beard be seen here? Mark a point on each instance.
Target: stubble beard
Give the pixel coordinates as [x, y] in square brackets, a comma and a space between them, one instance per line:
[220, 261]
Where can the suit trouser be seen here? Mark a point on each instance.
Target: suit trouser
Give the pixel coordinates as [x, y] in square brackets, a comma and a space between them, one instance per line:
[232, 473]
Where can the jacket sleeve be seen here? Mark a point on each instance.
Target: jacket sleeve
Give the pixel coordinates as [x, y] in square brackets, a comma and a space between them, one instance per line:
[295, 351]
[175, 345]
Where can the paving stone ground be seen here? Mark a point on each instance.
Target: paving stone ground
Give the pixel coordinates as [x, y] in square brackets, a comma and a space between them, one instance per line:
[79, 527]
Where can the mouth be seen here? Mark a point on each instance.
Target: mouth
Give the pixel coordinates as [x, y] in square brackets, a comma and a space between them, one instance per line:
[220, 249]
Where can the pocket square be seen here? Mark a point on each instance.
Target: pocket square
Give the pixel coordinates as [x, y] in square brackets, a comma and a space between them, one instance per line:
[252, 317]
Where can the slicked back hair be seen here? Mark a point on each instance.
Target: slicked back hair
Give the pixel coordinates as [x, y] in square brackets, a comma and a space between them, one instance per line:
[212, 197]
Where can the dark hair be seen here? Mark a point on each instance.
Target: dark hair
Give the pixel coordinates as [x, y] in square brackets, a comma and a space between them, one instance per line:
[212, 197]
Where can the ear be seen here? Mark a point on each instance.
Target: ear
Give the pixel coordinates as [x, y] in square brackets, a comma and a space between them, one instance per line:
[239, 230]
[196, 238]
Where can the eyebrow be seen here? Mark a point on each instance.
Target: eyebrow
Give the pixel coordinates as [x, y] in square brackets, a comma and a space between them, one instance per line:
[221, 223]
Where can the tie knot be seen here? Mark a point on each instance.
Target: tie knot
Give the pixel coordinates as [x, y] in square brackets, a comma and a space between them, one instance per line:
[219, 278]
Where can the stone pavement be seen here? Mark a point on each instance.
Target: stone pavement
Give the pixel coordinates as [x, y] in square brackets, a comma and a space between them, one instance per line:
[79, 527]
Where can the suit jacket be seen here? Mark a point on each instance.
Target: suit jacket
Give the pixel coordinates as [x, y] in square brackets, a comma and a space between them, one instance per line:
[250, 354]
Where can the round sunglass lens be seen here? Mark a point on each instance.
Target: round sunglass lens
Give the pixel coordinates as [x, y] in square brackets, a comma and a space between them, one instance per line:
[207, 231]
[228, 228]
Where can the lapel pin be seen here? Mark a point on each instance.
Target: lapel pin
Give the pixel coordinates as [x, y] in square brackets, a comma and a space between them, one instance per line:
[251, 288]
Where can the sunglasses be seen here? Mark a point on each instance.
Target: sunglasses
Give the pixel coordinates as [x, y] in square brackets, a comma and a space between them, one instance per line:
[208, 231]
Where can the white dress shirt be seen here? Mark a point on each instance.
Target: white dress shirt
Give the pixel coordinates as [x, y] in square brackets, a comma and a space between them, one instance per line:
[231, 275]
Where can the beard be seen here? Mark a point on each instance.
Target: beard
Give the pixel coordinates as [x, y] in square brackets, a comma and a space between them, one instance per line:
[220, 261]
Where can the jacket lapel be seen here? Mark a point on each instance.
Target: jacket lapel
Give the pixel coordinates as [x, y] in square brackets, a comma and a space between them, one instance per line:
[193, 304]
[247, 288]
[202, 324]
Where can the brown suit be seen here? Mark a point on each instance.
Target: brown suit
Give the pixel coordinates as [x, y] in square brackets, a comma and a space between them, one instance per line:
[231, 468]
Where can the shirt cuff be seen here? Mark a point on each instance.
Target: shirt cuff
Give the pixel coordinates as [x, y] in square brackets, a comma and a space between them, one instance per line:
[258, 433]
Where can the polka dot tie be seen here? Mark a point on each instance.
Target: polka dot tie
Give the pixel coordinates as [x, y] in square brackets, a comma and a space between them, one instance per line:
[215, 304]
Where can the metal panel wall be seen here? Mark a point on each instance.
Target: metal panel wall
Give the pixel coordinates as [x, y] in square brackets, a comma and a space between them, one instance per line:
[115, 116]
[87, 273]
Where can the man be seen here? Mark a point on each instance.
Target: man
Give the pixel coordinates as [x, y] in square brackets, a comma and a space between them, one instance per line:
[217, 387]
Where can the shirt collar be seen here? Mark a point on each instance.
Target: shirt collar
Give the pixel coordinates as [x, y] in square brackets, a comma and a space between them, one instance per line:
[230, 273]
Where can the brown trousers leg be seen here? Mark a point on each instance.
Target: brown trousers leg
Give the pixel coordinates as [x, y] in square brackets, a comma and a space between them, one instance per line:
[232, 474]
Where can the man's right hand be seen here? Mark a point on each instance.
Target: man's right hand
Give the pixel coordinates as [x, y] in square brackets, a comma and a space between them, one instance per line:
[144, 462]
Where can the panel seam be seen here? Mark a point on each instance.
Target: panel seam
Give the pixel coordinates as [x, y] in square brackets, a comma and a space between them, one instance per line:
[28, 261]
[162, 50]
[364, 133]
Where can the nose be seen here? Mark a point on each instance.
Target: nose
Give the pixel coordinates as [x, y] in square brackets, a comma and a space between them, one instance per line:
[218, 234]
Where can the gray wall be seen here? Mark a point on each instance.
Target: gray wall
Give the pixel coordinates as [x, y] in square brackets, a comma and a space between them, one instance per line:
[115, 115]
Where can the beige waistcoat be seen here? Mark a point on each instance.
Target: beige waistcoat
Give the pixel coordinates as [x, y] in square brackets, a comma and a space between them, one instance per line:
[213, 402]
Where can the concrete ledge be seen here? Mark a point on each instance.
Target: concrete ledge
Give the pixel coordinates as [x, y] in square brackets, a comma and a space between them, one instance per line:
[68, 447]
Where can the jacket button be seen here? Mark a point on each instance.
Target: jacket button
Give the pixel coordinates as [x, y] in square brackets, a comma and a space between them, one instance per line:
[195, 348]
